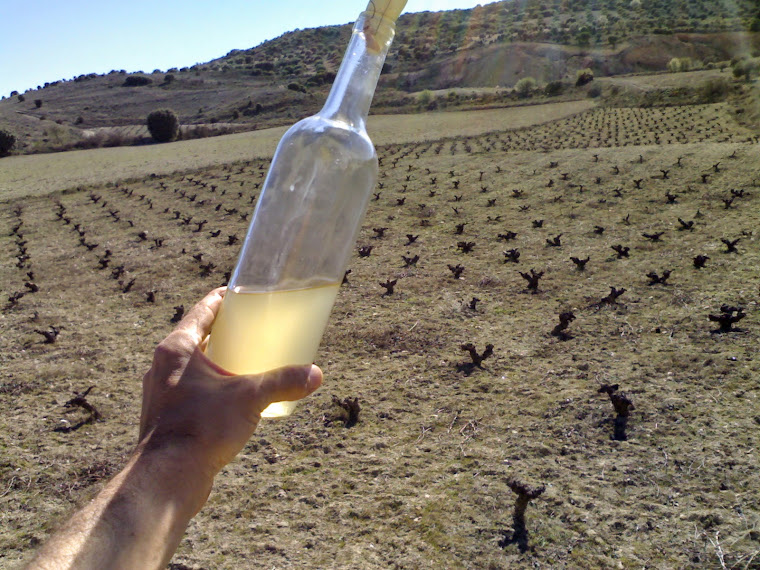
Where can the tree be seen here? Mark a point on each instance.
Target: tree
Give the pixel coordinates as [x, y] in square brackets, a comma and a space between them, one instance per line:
[163, 125]
[425, 97]
[525, 86]
[136, 81]
[715, 89]
[677, 64]
[7, 142]
[583, 76]
[583, 38]
[613, 40]
[745, 67]
[553, 88]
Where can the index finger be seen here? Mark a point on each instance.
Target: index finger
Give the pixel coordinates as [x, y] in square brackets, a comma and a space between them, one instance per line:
[197, 322]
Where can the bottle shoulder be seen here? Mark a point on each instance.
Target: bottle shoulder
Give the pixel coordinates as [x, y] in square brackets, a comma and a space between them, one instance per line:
[331, 132]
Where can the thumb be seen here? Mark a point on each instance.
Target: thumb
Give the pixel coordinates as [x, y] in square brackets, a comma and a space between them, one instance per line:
[283, 384]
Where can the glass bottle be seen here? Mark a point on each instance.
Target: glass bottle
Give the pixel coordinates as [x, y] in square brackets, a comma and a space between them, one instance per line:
[306, 221]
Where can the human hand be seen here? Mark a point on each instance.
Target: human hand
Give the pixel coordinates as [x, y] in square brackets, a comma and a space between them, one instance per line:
[200, 413]
[195, 418]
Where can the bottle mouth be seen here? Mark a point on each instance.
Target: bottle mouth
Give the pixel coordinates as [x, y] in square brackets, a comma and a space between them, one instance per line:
[388, 9]
[377, 29]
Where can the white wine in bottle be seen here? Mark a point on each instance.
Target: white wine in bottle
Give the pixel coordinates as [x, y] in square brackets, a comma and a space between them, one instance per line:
[259, 331]
[306, 221]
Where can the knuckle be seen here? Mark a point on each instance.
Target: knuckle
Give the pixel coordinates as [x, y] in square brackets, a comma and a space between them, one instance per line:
[168, 351]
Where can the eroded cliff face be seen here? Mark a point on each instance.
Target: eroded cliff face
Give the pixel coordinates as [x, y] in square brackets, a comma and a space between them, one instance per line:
[504, 64]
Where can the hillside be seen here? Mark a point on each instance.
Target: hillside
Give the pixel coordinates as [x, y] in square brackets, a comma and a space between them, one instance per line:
[491, 46]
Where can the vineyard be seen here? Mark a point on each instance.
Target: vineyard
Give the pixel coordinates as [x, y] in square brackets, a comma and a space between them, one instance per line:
[566, 313]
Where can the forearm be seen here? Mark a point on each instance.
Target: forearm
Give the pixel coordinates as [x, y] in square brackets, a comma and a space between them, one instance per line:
[136, 521]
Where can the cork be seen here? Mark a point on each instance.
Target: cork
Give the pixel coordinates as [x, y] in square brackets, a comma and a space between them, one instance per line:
[381, 12]
[388, 9]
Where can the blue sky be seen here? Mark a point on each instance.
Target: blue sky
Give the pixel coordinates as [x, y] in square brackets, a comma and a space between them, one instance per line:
[47, 40]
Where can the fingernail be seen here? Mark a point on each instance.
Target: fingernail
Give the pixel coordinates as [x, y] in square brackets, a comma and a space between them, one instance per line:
[315, 377]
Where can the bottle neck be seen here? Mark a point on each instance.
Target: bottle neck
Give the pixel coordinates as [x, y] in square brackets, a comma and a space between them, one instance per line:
[351, 94]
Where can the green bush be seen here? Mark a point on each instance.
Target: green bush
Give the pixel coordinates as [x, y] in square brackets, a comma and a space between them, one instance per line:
[297, 87]
[595, 91]
[554, 88]
[680, 64]
[525, 87]
[583, 38]
[137, 81]
[715, 89]
[583, 76]
[163, 125]
[7, 142]
[425, 97]
[746, 68]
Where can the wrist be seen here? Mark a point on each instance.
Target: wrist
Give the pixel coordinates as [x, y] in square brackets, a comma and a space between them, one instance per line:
[172, 476]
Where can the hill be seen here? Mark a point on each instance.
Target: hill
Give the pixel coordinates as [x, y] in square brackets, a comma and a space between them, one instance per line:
[491, 46]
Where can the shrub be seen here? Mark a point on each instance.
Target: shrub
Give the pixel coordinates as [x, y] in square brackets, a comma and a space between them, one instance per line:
[583, 38]
[714, 90]
[7, 142]
[169, 78]
[745, 67]
[595, 91]
[21, 98]
[525, 87]
[425, 97]
[321, 78]
[583, 76]
[163, 125]
[136, 81]
[38, 103]
[114, 139]
[297, 87]
[680, 64]
[554, 88]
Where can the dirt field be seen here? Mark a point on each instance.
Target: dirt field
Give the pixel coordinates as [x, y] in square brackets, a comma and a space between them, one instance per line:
[666, 80]
[40, 174]
[422, 480]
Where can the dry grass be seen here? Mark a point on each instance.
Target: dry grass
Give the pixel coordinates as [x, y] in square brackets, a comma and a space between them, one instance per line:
[40, 174]
[422, 479]
[666, 80]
